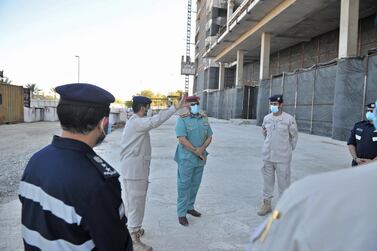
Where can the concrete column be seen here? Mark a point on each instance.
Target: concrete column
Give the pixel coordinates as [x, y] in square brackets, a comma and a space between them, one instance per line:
[239, 70]
[349, 24]
[222, 76]
[230, 9]
[265, 56]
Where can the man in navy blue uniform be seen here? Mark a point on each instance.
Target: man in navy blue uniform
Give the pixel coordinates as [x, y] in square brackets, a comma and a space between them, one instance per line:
[71, 198]
[362, 143]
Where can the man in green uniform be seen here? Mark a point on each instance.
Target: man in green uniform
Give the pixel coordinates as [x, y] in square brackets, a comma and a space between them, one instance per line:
[194, 136]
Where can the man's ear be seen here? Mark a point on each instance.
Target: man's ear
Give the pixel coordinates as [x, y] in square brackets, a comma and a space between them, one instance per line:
[103, 122]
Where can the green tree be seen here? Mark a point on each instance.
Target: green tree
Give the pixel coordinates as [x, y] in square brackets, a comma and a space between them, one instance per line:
[128, 103]
[159, 100]
[174, 97]
[118, 101]
[53, 91]
[34, 89]
[146, 93]
[5, 81]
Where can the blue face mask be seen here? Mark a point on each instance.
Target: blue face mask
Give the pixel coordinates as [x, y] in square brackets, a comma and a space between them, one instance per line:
[274, 108]
[369, 116]
[195, 109]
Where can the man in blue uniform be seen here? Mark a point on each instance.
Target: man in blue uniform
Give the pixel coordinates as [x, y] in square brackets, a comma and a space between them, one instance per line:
[71, 198]
[194, 135]
[362, 143]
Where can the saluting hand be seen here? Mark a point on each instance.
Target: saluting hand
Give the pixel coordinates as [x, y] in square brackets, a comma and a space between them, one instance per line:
[182, 103]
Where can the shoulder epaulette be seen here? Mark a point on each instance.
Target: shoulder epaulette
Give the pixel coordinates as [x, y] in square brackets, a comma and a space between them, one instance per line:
[183, 113]
[103, 167]
[203, 114]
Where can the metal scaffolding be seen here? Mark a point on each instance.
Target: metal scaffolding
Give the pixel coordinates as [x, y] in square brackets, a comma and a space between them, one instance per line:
[188, 43]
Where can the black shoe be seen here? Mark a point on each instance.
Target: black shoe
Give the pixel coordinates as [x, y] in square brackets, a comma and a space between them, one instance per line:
[194, 213]
[183, 221]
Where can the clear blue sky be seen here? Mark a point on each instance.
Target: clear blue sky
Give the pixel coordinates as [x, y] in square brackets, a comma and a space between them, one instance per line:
[124, 46]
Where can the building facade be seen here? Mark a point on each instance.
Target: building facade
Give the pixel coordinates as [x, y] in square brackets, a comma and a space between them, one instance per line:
[319, 54]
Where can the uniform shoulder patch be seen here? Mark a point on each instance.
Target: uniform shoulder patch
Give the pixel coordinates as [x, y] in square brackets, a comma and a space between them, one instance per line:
[203, 114]
[103, 167]
[183, 113]
[205, 120]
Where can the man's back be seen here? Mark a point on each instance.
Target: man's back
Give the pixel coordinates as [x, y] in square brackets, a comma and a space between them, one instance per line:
[71, 198]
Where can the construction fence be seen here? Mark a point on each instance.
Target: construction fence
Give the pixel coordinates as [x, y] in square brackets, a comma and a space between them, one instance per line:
[326, 99]
[239, 102]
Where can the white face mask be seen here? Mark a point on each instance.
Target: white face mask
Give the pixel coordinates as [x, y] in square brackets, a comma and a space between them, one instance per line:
[274, 108]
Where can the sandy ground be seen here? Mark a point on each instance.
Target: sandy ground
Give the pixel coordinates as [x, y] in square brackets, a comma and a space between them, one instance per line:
[228, 198]
[18, 142]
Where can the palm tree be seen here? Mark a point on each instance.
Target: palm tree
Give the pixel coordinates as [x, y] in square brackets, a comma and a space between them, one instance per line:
[53, 91]
[5, 81]
[34, 89]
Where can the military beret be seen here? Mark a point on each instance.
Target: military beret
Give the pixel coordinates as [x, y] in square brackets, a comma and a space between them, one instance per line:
[371, 105]
[192, 99]
[277, 97]
[141, 100]
[84, 94]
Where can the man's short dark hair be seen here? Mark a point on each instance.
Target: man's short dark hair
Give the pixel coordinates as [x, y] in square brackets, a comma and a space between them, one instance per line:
[136, 107]
[81, 118]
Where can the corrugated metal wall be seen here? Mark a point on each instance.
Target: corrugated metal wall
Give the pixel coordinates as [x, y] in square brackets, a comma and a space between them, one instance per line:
[11, 104]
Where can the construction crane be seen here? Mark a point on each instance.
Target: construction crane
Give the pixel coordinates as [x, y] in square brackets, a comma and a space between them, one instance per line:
[188, 67]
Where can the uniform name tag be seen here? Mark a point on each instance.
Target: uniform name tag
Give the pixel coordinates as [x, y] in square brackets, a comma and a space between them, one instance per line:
[374, 139]
[358, 137]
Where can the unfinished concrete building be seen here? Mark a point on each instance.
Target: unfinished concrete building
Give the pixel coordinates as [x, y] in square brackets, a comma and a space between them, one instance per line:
[320, 54]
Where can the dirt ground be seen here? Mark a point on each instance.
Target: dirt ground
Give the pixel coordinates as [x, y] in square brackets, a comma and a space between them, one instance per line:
[18, 142]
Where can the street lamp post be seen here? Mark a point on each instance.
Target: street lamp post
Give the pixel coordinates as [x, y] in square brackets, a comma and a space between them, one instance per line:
[78, 69]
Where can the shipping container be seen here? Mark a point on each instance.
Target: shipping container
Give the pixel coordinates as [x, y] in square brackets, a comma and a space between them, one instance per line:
[11, 104]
